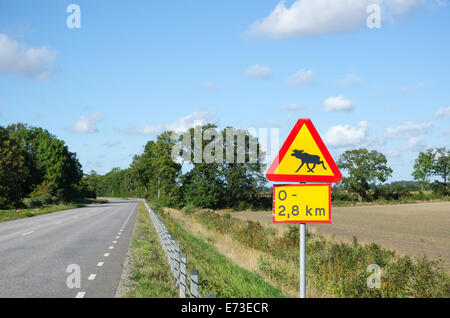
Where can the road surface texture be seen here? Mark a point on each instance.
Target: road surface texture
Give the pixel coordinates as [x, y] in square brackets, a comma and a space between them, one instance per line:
[36, 252]
[411, 229]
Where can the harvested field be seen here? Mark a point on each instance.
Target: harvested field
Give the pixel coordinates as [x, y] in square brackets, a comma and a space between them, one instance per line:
[410, 229]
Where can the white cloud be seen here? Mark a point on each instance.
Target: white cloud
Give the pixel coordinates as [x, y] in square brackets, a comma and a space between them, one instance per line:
[302, 77]
[343, 136]
[34, 63]
[258, 71]
[317, 17]
[338, 104]
[205, 116]
[292, 107]
[443, 113]
[414, 144]
[350, 79]
[408, 130]
[146, 131]
[410, 133]
[86, 124]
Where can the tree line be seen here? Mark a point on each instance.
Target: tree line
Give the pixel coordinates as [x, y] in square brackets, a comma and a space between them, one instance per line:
[156, 176]
[37, 168]
[367, 172]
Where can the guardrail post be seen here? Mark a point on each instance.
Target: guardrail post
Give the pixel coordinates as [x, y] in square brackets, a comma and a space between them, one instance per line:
[177, 263]
[194, 283]
[183, 261]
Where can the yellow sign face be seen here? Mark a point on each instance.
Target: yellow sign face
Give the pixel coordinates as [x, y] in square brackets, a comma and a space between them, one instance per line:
[305, 203]
[304, 145]
[304, 158]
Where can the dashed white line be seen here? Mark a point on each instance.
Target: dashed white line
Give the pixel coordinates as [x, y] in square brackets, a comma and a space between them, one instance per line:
[111, 247]
[92, 277]
[117, 237]
[106, 255]
[28, 233]
[114, 242]
[80, 295]
[100, 264]
[58, 222]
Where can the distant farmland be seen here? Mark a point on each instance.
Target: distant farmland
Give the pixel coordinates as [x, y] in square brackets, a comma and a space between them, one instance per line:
[410, 229]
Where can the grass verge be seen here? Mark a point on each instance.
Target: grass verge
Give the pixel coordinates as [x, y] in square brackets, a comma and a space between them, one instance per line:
[217, 274]
[10, 215]
[335, 269]
[150, 275]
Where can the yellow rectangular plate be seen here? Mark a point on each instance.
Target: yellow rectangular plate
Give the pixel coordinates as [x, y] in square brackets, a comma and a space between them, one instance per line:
[303, 203]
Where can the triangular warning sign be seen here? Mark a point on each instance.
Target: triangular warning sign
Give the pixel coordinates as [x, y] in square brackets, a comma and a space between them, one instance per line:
[304, 158]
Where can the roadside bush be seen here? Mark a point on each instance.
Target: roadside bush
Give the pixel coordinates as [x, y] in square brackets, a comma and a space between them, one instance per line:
[32, 203]
[338, 195]
[188, 209]
[41, 190]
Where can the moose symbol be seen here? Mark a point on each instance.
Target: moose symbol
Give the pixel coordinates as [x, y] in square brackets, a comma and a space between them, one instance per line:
[308, 159]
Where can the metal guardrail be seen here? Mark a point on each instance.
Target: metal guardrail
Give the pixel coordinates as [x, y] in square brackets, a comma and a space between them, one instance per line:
[186, 281]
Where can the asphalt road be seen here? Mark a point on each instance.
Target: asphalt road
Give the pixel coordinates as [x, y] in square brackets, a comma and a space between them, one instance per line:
[36, 252]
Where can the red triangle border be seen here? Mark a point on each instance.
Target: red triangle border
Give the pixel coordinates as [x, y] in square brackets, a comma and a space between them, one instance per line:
[303, 178]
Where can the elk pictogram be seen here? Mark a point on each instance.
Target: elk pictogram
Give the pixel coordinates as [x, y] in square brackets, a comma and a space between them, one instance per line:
[307, 159]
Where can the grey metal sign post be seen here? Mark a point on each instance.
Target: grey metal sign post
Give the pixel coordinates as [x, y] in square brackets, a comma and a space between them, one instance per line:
[302, 260]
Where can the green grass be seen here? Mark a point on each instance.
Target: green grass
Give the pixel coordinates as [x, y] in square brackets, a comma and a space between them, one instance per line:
[217, 274]
[150, 275]
[9, 215]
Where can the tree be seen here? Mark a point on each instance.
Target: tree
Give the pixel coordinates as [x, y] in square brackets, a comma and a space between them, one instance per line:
[89, 185]
[13, 171]
[50, 163]
[156, 172]
[423, 167]
[28, 138]
[213, 183]
[62, 168]
[441, 166]
[363, 167]
[243, 181]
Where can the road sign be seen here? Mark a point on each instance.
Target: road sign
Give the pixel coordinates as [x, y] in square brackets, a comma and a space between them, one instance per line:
[302, 203]
[304, 158]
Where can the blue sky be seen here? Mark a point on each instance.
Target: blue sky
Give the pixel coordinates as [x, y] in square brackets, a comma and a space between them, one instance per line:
[137, 67]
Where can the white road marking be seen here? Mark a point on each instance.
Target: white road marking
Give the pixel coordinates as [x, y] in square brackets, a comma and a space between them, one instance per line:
[80, 295]
[117, 237]
[92, 277]
[100, 264]
[28, 233]
[106, 255]
[114, 242]
[111, 247]
[58, 222]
